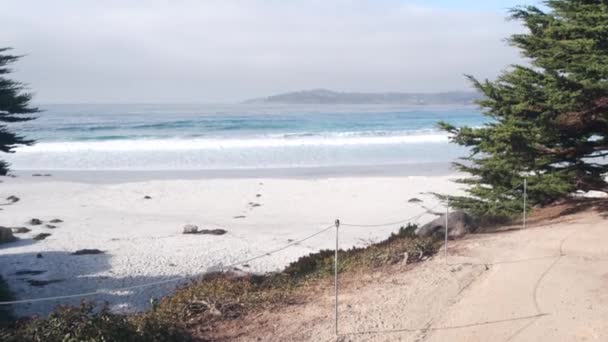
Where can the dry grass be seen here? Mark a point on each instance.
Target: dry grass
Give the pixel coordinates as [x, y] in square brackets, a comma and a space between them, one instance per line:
[217, 298]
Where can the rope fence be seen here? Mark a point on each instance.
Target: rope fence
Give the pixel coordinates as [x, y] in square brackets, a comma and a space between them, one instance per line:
[337, 224]
[415, 217]
[223, 267]
[164, 281]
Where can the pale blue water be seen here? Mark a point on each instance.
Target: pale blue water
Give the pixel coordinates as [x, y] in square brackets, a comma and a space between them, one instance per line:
[219, 137]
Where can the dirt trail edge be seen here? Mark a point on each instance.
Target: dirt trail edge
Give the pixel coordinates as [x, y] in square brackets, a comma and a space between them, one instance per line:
[546, 283]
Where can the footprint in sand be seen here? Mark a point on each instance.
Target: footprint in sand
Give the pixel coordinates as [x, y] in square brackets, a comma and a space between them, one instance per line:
[252, 205]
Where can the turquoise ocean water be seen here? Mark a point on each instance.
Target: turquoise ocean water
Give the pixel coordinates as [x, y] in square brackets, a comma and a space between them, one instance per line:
[243, 136]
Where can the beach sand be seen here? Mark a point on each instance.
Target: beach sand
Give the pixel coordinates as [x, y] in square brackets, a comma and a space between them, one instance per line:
[142, 238]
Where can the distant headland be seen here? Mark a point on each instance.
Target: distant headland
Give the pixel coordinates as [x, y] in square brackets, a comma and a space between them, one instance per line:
[324, 96]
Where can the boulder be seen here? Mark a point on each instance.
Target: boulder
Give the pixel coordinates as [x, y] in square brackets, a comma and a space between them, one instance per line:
[193, 229]
[190, 229]
[41, 236]
[6, 235]
[35, 222]
[56, 221]
[12, 199]
[20, 230]
[213, 231]
[459, 224]
[88, 252]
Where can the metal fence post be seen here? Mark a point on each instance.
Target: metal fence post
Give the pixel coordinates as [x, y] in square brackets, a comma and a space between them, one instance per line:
[336, 272]
[525, 199]
[447, 214]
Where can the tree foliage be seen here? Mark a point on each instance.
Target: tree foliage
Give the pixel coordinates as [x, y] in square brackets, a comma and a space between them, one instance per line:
[14, 107]
[549, 120]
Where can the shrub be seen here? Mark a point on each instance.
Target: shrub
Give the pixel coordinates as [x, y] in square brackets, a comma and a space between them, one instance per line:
[5, 295]
[84, 323]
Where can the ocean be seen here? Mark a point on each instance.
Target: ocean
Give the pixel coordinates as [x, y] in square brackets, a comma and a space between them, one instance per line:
[237, 137]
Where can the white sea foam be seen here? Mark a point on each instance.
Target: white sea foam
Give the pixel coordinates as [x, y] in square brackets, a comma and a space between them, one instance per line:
[344, 139]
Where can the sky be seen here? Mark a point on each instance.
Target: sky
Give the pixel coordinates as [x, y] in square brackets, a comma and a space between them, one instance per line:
[215, 51]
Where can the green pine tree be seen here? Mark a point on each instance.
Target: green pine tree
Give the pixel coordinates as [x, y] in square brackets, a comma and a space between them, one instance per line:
[14, 107]
[549, 120]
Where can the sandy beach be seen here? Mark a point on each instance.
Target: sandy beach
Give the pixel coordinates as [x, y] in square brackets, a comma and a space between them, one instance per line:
[142, 237]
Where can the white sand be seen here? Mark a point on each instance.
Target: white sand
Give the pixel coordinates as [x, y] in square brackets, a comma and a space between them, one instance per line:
[142, 238]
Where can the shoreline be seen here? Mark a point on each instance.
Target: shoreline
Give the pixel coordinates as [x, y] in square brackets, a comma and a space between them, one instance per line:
[142, 238]
[127, 176]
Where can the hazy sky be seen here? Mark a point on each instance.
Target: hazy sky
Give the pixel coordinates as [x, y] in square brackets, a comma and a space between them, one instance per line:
[124, 51]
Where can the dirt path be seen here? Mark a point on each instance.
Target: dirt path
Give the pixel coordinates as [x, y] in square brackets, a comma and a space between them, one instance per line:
[546, 283]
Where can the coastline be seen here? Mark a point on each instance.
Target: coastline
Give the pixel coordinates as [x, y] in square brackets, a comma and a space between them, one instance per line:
[127, 176]
[142, 238]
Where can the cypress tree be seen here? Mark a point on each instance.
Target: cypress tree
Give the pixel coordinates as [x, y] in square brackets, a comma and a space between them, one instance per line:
[548, 120]
[14, 107]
